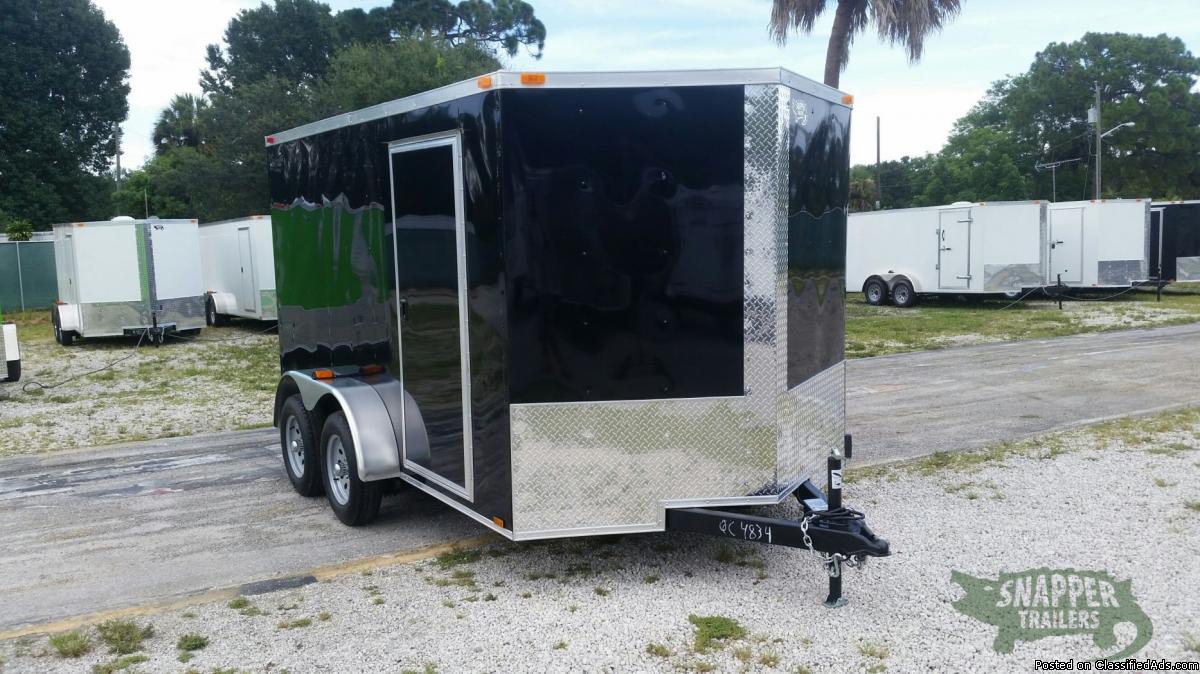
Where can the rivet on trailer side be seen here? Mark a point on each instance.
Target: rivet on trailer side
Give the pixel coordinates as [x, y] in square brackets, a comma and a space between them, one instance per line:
[574, 304]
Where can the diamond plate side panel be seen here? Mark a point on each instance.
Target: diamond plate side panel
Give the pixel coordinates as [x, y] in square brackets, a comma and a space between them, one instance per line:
[187, 313]
[611, 464]
[1187, 269]
[98, 319]
[812, 422]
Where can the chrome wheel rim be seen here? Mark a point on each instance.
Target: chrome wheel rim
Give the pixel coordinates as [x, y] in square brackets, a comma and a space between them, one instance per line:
[295, 446]
[338, 469]
[901, 294]
[873, 292]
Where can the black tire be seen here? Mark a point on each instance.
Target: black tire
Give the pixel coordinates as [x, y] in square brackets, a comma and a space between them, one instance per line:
[353, 501]
[875, 292]
[305, 470]
[64, 337]
[903, 294]
[211, 317]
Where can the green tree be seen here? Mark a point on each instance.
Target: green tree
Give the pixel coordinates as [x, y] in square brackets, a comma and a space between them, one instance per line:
[18, 229]
[899, 22]
[1146, 80]
[63, 85]
[296, 40]
[975, 165]
[178, 124]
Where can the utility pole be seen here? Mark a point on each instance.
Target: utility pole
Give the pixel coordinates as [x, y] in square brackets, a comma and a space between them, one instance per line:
[117, 138]
[1099, 139]
[878, 175]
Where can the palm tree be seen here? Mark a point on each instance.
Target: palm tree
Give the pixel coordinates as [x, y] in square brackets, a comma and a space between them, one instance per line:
[903, 22]
[178, 124]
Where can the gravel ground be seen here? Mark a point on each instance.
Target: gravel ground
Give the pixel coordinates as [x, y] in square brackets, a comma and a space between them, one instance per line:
[1122, 497]
[180, 388]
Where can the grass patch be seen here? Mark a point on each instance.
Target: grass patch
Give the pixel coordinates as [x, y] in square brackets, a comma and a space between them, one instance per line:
[238, 603]
[120, 664]
[71, 644]
[123, 636]
[873, 650]
[378, 600]
[715, 629]
[658, 650]
[1193, 506]
[743, 653]
[457, 557]
[560, 645]
[1191, 643]
[185, 656]
[937, 324]
[601, 591]
[298, 623]
[769, 659]
[324, 616]
[191, 642]
[650, 578]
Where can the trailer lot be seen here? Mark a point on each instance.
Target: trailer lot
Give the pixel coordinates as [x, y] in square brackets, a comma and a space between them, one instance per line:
[622, 604]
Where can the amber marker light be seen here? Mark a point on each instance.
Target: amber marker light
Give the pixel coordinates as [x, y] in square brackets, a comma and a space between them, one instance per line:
[484, 82]
[498, 521]
[848, 99]
[323, 374]
[533, 78]
[370, 369]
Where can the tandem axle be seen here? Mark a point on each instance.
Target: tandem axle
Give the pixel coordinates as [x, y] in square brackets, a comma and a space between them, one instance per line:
[839, 535]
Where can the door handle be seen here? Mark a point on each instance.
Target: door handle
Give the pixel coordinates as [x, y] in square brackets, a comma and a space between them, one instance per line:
[946, 248]
[403, 308]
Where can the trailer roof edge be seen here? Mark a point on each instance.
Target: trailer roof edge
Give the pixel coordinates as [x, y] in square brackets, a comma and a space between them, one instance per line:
[507, 79]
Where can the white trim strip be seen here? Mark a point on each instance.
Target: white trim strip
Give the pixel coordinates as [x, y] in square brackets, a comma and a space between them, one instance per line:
[456, 505]
[565, 80]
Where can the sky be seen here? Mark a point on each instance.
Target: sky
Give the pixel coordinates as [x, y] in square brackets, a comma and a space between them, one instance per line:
[917, 103]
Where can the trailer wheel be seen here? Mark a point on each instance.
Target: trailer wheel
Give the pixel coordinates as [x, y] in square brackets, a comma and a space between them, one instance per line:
[301, 458]
[211, 317]
[353, 501]
[903, 295]
[875, 292]
[64, 337]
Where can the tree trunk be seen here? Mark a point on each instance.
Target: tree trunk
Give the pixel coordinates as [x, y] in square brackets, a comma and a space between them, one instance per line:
[839, 43]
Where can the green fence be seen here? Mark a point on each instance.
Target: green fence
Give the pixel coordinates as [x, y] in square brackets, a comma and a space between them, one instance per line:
[27, 275]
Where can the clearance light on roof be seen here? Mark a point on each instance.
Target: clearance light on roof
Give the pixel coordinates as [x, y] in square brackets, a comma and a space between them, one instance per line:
[484, 82]
[533, 78]
[848, 99]
[370, 369]
[270, 140]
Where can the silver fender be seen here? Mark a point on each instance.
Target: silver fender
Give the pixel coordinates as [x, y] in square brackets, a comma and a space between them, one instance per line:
[371, 412]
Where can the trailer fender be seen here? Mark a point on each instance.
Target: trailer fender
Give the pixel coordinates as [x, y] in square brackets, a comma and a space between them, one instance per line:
[912, 279]
[12, 353]
[367, 413]
[225, 303]
[68, 316]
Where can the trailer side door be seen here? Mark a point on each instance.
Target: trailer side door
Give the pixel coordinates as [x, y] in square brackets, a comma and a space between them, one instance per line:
[1066, 245]
[954, 249]
[435, 369]
[247, 288]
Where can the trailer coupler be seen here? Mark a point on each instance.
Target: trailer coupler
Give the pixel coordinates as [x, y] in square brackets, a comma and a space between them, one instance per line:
[839, 536]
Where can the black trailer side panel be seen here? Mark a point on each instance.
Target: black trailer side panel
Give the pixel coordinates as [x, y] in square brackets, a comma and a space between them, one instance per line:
[624, 228]
[1180, 237]
[336, 270]
[817, 196]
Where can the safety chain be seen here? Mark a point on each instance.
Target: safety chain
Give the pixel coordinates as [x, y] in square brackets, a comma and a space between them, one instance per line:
[832, 561]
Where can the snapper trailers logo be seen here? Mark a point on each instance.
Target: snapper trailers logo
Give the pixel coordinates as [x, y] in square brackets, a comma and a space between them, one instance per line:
[1040, 603]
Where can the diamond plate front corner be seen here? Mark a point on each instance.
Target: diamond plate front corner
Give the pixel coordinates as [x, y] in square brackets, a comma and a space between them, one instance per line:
[812, 423]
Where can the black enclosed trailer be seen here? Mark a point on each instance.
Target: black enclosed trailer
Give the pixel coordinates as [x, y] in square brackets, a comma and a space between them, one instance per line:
[573, 304]
[1173, 247]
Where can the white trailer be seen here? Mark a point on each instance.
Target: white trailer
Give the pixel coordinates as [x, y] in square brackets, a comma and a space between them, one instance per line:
[1098, 244]
[972, 249]
[10, 353]
[238, 261]
[127, 277]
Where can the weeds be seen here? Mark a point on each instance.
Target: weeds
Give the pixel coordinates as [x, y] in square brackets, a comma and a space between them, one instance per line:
[601, 591]
[872, 650]
[560, 645]
[650, 579]
[714, 629]
[191, 642]
[238, 603]
[769, 659]
[123, 636]
[457, 557]
[658, 650]
[119, 664]
[298, 623]
[71, 644]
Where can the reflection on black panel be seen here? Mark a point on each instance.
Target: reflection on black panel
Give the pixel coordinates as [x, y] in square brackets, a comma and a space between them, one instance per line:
[427, 259]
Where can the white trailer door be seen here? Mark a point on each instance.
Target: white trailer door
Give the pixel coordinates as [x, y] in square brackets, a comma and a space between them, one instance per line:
[954, 249]
[248, 288]
[1066, 245]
